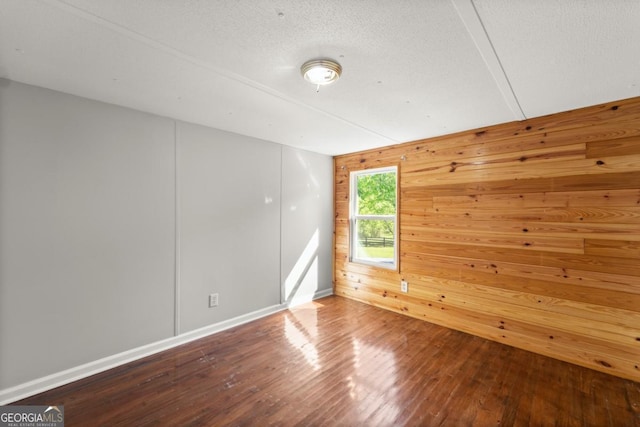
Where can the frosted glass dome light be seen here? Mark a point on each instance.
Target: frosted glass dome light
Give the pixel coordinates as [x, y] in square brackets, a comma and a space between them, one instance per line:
[321, 72]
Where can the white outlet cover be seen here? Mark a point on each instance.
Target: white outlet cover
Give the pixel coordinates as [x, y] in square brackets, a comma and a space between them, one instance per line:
[213, 300]
[404, 286]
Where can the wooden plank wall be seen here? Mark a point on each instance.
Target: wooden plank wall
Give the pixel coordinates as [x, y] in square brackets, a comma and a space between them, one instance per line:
[526, 233]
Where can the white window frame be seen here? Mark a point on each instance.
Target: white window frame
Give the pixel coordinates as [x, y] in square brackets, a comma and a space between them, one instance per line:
[354, 217]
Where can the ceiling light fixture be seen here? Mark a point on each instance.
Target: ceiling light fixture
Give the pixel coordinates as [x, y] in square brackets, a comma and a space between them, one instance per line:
[321, 72]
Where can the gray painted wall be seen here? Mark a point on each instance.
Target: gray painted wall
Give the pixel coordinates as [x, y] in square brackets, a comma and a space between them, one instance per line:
[229, 224]
[100, 206]
[307, 223]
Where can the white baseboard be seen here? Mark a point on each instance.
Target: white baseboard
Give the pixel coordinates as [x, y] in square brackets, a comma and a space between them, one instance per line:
[58, 379]
[308, 298]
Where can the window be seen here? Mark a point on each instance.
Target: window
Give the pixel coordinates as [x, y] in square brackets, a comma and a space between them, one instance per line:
[373, 217]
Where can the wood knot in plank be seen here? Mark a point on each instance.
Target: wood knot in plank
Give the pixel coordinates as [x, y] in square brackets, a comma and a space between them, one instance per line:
[604, 363]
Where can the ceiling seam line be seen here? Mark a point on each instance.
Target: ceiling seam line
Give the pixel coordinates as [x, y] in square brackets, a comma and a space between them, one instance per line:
[493, 49]
[472, 21]
[126, 32]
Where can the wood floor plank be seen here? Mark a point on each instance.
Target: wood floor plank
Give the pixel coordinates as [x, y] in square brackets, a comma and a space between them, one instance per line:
[338, 362]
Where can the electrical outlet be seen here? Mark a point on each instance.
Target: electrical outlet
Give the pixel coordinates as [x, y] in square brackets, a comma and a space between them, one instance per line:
[404, 286]
[213, 300]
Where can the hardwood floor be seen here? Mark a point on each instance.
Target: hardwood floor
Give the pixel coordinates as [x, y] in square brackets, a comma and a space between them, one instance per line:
[337, 362]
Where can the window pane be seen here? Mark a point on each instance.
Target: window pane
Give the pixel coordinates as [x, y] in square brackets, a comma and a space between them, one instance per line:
[376, 194]
[373, 233]
[375, 241]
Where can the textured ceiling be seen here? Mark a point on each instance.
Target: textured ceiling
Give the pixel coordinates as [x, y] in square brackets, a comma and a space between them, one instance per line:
[412, 69]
